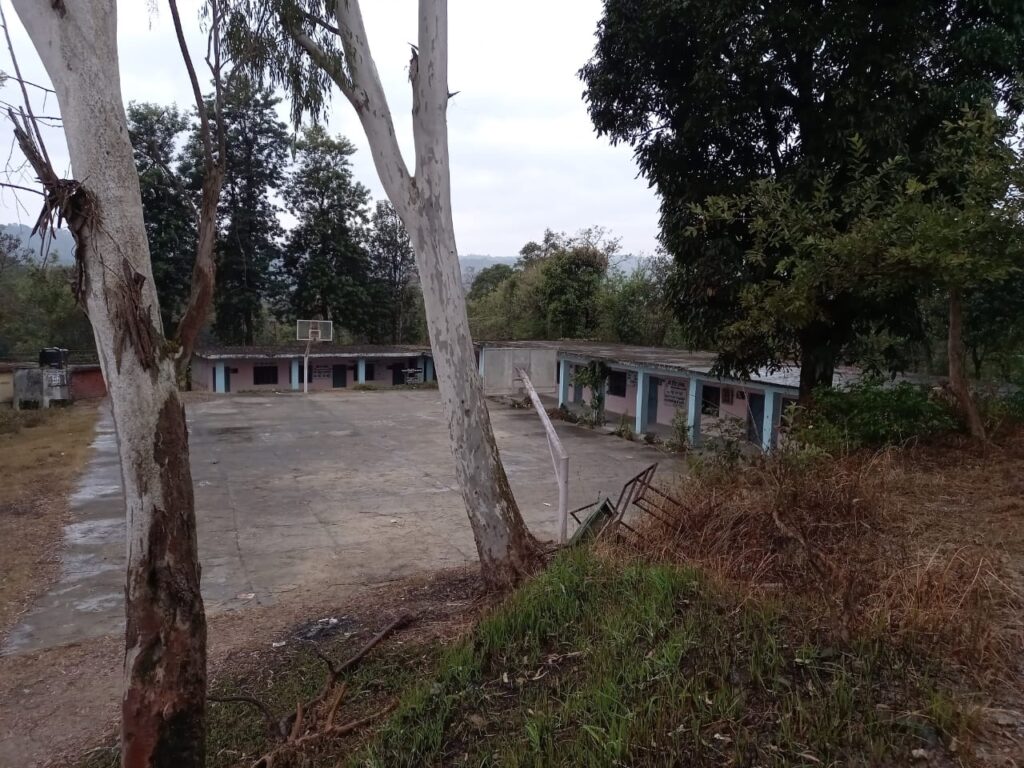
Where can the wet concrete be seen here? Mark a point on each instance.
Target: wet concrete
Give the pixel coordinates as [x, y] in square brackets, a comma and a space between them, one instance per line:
[345, 488]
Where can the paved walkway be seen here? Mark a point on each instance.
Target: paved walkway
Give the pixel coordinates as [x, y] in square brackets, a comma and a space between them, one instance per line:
[353, 487]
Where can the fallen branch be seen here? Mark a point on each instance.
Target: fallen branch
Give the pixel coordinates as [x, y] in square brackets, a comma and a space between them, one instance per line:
[300, 727]
[267, 760]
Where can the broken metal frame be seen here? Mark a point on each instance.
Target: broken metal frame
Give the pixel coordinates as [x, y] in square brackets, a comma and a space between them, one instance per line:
[559, 457]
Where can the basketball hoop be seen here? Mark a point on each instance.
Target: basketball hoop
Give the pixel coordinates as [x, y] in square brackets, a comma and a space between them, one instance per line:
[311, 331]
[314, 330]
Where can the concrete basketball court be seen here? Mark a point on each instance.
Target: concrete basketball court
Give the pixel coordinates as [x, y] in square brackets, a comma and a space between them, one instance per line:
[343, 488]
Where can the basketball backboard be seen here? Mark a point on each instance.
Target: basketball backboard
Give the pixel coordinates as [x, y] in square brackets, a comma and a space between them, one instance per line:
[314, 330]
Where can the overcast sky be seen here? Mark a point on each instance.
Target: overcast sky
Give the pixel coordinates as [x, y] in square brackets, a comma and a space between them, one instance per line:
[524, 153]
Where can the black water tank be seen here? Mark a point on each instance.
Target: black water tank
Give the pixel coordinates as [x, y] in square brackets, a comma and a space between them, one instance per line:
[53, 357]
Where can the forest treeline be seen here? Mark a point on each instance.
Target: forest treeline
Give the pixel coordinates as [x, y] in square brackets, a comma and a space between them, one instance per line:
[343, 258]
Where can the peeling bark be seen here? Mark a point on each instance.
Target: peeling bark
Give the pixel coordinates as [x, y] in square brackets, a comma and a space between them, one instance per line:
[163, 705]
[506, 549]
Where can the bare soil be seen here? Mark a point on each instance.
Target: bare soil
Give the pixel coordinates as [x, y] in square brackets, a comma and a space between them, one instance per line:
[39, 465]
[62, 703]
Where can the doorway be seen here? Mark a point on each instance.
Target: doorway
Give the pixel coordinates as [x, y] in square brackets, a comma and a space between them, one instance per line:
[339, 376]
[652, 399]
[755, 417]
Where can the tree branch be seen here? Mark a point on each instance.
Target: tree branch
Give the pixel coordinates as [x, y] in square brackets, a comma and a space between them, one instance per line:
[203, 270]
[197, 91]
[23, 189]
[371, 104]
[24, 90]
[320, 57]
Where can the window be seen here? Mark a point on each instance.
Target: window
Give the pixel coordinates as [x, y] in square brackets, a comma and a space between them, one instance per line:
[370, 372]
[617, 383]
[264, 374]
[727, 393]
[741, 395]
[710, 401]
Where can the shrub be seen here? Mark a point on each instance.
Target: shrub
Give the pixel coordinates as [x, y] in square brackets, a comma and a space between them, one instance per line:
[625, 429]
[870, 413]
[1002, 411]
[680, 438]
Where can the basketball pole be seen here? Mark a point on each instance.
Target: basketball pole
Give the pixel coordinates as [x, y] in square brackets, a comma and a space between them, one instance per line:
[305, 367]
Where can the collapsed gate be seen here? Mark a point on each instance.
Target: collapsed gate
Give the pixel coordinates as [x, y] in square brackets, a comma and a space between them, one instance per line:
[639, 497]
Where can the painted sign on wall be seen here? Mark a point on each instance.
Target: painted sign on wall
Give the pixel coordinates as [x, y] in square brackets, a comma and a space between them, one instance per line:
[675, 392]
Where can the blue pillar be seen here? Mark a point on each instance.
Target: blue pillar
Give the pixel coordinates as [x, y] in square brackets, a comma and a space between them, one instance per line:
[361, 371]
[695, 396]
[218, 381]
[772, 401]
[428, 371]
[481, 362]
[643, 383]
[296, 374]
[563, 383]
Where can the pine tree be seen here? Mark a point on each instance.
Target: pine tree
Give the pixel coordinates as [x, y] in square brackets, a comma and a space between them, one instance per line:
[170, 220]
[250, 233]
[393, 268]
[325, 268]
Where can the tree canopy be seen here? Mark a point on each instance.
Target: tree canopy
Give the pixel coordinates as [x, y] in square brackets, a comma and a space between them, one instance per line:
[325, 268]
[156, 132]
[716, 97]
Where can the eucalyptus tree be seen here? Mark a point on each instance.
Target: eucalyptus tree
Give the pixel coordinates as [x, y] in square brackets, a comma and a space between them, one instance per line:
[164, 676]
[305, 46]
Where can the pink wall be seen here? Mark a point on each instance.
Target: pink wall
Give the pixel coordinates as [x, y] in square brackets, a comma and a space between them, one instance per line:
[322, 377]
[202, 376]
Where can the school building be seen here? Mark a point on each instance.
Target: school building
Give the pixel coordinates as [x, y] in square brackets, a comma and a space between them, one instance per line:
[331, 366]
[650, 385]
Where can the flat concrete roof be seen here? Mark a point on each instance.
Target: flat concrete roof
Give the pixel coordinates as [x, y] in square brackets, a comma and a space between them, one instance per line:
[677, 360]
[298, 349]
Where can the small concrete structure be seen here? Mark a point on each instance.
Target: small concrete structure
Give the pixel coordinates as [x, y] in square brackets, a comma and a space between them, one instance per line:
[650, 385]
[40, 387]
[331, 366]
[499, 372]
[7, 381]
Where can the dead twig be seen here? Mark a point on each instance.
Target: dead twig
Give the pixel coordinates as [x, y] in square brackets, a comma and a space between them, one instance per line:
[300, 728]
[267, 760]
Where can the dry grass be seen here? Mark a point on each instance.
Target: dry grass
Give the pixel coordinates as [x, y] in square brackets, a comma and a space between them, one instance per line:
[38, 462]
[846, 534]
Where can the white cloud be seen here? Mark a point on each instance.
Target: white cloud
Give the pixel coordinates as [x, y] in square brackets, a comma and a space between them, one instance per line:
[524, 153]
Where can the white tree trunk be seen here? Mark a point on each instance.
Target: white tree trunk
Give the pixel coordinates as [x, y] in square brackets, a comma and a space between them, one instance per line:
[163, 703]
[505, 547]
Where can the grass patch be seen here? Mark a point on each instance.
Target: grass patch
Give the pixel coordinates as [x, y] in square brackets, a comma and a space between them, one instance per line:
[603, 662]
[600, 663]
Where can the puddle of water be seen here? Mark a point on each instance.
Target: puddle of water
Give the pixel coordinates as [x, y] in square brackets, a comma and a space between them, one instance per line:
[94, 531]
[77, 566]
[92, 488]
[99, 603]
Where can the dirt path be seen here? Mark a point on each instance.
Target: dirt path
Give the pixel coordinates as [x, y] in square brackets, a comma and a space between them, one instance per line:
[39, 464]
[57, 703]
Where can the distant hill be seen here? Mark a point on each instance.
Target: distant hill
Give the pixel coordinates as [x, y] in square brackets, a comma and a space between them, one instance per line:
[61, 248]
